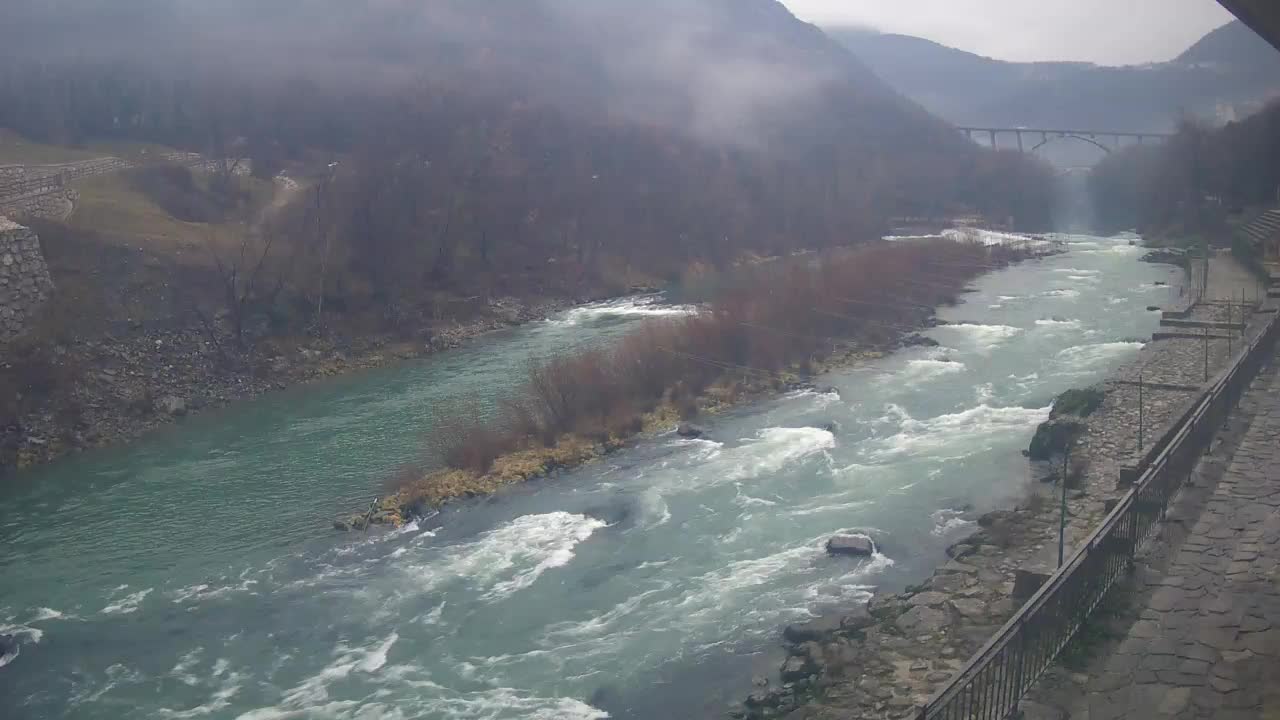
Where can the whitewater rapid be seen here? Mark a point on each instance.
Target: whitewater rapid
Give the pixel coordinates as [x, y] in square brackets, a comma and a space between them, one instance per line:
[195, 579]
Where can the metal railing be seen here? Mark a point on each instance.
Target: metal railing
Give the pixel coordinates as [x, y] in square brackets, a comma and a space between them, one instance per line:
[992, 683]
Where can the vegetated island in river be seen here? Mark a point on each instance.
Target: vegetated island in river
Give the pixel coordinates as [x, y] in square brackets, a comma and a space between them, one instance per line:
[770, 327]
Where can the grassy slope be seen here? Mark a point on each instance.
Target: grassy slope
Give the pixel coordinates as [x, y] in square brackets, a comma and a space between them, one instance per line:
[17, 150]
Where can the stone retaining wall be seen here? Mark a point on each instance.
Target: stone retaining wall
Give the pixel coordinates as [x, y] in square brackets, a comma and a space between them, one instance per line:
[22, 179]
[44, 191]
[24, 279]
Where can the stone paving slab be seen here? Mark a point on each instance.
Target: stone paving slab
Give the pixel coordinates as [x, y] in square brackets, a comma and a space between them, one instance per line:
[1204, 641]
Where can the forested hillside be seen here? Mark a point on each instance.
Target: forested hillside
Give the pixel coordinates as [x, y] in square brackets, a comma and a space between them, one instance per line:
[1189, 187]
[588, 141]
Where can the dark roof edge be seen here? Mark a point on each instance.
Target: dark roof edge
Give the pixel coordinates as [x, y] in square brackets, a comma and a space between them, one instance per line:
[1258, 16]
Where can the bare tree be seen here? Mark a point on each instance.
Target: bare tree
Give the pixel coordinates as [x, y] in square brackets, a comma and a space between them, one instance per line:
[241, 274]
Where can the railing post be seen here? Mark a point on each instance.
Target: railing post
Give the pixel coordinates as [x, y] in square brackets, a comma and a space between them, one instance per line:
[1062, 524]
[1141, 418]
[1206, 354]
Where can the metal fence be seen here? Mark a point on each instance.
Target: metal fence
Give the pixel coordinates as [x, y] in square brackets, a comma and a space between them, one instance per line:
[992, 683]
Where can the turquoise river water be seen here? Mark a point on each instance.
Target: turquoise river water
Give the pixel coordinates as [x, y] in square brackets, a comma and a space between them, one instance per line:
[193, 574]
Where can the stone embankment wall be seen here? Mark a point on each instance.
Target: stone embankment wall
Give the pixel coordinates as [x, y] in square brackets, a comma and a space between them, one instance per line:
[24, 279]
[44, 190]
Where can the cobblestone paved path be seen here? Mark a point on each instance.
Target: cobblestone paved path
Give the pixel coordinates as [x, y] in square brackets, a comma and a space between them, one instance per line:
[1206, 642]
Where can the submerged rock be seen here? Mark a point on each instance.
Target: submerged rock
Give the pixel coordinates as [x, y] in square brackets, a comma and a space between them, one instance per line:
[689, 430]
[797, 667]
[764, 699]
[820, 629]
[918, 340]
[855, 545]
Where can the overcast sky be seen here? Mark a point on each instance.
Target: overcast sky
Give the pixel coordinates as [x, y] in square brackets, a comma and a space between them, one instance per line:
[1112, 32]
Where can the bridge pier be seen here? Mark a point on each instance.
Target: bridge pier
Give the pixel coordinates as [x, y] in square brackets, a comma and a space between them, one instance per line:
[994, 146]
[1020, 147]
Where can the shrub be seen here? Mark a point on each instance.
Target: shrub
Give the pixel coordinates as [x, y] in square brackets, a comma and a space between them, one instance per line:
[1081, 403]
[176, 190]
[767, 319]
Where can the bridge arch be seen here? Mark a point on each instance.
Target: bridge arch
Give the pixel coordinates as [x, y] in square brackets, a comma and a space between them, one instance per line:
[1048, 135]
[1082, 138]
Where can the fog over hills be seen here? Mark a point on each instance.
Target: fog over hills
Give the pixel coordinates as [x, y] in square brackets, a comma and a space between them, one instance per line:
[1228, 74]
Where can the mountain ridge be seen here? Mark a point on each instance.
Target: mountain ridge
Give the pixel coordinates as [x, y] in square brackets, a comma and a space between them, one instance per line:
[1227, 74]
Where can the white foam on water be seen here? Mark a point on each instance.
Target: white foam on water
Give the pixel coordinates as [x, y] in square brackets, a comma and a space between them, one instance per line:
[772, 450]
[744, 500]
[703, 449]
[128, 604]
[984, 338]
[600, 625]
[820, 400]
[548, 539]
[36, 634]
[510, 703]
[506, 559]
[656, 510]
[1069, 293]
[44, 613]
[347, 660]
[327, 710]
[1059, 324]
[640, 307]
[117, 675]
[907, 238]
[1126, 249]
[985, 392]
[1092, 355]
[205, 591]
[186, 663]
[924, 370]
[947, 522]
[711, 593]
[850, 587]
[433, 617]
[1077, 271]
[958, 434]
[220, 700]
[989, 237]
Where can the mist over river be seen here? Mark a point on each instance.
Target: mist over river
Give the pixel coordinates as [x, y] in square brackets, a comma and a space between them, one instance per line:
[193, 573]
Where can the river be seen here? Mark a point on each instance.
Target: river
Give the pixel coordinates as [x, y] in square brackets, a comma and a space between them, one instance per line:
[193, 574]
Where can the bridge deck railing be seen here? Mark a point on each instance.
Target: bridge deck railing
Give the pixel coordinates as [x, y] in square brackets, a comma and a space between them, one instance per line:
[993, 682]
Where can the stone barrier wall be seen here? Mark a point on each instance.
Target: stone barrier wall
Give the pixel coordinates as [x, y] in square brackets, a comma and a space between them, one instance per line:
[25, 284]
[43, 190]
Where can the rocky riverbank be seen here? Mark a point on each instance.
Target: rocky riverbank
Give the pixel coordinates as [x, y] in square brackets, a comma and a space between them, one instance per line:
[129, 383]
[888, 659]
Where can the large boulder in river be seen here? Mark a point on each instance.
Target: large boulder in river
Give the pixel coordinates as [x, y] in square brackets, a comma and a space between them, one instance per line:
[823, 628]
[1054, 437]
[8, 648]
[689, 430]
[855, 545]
